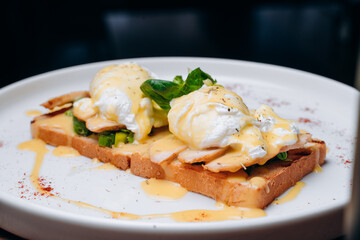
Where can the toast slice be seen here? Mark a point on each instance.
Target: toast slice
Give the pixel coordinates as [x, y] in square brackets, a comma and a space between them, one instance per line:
[255, 187]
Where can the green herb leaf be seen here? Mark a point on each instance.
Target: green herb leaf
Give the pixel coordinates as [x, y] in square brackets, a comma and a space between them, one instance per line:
[194, 81]
[178, 80]
[163, 91]
[69, 112]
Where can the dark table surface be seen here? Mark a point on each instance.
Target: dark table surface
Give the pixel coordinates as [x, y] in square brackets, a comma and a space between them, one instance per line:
[4, 235]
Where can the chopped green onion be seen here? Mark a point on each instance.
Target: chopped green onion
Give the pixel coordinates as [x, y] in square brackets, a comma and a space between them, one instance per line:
[283, 157]
[106, 139]
[120, 137]
[130, 137]
[80, 127]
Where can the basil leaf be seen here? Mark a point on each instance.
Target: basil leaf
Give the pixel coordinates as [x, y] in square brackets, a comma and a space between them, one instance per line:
[178, 80]
[163, 91]
[194, 81]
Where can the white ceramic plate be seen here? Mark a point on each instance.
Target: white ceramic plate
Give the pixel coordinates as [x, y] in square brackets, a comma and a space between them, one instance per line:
[324, 107]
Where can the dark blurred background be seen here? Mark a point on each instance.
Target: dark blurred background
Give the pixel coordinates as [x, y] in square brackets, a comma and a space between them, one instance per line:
[321, 37]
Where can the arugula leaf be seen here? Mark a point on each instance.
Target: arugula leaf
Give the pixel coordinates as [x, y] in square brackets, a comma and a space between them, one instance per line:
[163, 91]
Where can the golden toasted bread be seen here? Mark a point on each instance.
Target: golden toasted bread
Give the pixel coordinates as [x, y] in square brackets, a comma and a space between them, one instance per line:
[257, 186]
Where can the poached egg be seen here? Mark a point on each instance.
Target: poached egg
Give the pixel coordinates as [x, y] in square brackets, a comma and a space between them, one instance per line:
[116, 100]
[214, 117]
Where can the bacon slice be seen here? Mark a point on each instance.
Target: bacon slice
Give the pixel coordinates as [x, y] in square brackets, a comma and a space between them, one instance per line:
[63, 99]
[98, 124]
[194, 156]
[303, 138]
[166, 149]
[233, 161]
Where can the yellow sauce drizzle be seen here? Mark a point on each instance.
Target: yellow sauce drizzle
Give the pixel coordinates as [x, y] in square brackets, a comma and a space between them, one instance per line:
[318, 169]
[33, 113]
[105, 166]
[198, 215]
[60, 122]
[258, 181]
[163, 189]
[64, 151]
[293, 192]
[237, 177]
[166, 148]
[95, 160]
[227, 213]
[39, 147]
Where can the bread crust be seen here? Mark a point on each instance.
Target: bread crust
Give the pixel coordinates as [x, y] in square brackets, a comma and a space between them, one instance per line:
[277, 176]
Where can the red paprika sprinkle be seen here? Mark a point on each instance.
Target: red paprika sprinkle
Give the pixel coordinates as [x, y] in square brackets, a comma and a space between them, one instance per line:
[304, 120]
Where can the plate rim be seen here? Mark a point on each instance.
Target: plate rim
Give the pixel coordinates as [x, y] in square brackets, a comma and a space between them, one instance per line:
[175, 58]
[6, 198]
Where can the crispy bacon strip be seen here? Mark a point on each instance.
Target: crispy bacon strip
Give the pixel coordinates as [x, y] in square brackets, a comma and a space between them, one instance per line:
[63, 99]
[235, 162]
[303, 138]
[98, 124]
[166, 149]
[194, 156]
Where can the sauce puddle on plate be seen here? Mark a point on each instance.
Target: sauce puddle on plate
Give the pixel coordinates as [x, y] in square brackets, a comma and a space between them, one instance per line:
[163, 189]
[64, 151]
[105, 166]
[33, 113]
[291, 195]
[196, 215]
[318, 169]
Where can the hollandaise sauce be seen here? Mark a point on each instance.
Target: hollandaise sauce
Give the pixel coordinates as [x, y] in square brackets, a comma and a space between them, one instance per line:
[33, 113]
[196, 215]
[163, 189]
[65, 151]
[291, 195]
